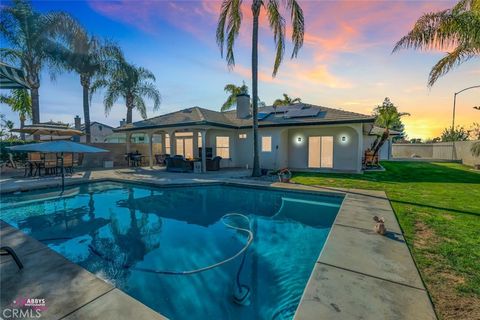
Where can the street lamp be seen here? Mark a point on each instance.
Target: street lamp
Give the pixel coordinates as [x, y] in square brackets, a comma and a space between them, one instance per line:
[453, 117]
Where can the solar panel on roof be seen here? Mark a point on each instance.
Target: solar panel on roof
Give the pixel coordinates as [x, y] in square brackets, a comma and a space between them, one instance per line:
[263, 115]
[304, 112]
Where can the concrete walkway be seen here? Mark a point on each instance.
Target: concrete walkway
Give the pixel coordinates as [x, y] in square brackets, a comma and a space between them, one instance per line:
[363, 275]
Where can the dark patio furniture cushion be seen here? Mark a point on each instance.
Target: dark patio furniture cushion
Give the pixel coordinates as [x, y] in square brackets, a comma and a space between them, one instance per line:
[213, 164]
[178, 164]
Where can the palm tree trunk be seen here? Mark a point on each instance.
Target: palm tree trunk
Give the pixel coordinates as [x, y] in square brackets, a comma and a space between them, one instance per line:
[85, 81]
[380, 143]
[256, 160]
[129, 103]
[22, 124]
[35, 109]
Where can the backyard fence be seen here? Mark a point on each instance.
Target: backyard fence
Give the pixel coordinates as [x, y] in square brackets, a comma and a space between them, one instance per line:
[437, 151]
[117, 154]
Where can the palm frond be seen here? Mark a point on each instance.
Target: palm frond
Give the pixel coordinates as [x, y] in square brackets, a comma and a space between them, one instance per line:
[451, 60]
[150, 91]
[229, 23]
[227, 105]
[277, 24]
[139, 104]
[298, 24]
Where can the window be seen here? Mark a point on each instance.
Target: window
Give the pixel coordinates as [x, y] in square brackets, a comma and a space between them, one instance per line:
[267, 144]
[242, 136]
[100, 128]
[223, 147]
[167, 143]
[199, 139]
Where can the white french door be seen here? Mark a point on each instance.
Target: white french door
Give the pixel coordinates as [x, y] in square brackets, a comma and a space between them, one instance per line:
[185, 147]
[320, 152]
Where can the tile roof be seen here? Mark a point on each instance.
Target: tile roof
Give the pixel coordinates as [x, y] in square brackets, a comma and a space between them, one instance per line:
[201, 116]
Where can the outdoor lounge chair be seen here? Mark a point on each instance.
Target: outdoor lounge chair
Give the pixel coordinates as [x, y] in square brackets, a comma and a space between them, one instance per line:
[213, 164]
[4, 251]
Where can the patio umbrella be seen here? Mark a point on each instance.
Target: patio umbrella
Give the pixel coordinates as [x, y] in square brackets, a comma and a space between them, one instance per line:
[47, 129]
[11, 78]
[59, 146]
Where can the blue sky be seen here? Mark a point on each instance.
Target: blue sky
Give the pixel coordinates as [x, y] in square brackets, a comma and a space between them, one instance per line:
[346, 61]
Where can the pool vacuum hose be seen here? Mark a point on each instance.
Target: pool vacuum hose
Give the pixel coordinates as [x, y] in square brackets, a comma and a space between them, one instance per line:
[241, 291]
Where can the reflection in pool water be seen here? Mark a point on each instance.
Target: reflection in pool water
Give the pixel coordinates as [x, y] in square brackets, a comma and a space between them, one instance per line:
[131, 227]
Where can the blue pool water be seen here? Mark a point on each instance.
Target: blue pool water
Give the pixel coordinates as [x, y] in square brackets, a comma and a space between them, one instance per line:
[113, 230]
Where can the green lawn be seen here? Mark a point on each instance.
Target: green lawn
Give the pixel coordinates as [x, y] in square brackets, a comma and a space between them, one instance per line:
[438, 206]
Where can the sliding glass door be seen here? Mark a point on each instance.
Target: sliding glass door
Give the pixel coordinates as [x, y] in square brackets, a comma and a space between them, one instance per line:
[320, 152]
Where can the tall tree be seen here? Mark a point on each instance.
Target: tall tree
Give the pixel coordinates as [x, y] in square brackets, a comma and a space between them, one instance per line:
[19, 101]
[130, 83]
[476, 146]
[456, 28]
[233, 91]
[286, 101]
[228, 28]
[32, 36]
[90, 58]
[387, 117]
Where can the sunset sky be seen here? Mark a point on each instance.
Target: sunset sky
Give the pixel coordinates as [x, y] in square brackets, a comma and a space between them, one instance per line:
[346, 61]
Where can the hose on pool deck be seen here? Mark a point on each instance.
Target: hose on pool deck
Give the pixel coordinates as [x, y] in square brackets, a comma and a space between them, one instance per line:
[189, 272]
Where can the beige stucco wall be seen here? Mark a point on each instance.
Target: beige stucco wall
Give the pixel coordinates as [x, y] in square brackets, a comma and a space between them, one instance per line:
[287, 152]
[346, 155]
[441, 151]
[117, 154]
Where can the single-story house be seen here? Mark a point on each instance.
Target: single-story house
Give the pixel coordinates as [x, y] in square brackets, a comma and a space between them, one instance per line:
[300, 136]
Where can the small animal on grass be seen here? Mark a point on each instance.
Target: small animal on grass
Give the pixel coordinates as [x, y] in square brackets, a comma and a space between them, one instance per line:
[380, 225]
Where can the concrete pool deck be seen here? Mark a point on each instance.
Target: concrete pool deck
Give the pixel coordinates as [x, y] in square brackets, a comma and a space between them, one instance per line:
[358, 275]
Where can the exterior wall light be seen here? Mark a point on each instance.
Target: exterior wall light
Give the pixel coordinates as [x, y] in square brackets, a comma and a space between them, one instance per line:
[299, 139]
[344, 139]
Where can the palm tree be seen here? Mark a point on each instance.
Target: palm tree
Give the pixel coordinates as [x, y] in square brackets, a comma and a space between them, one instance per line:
[32, 37]
[19, 101]
[228, 29]
[90, 58]
[286, 101]
[387, 117]
[131, 83]
[233, 91]
[456, 27]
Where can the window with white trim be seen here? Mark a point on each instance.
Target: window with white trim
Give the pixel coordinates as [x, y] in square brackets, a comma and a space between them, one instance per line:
[222, 147]
[167, 143]
[266, 144]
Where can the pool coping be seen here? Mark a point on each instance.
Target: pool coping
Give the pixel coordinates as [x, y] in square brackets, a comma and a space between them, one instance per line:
[343, 286]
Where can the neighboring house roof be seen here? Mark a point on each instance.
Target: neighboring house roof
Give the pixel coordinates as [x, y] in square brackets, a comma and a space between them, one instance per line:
[82, 127]
[298, 114]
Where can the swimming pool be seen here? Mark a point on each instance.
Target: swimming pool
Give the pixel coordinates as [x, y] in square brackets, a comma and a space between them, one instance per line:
[127, 234]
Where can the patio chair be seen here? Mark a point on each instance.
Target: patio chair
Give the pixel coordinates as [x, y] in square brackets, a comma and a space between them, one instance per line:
[160, 159]
[50, 163]
[213, 164]
[68, 163]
